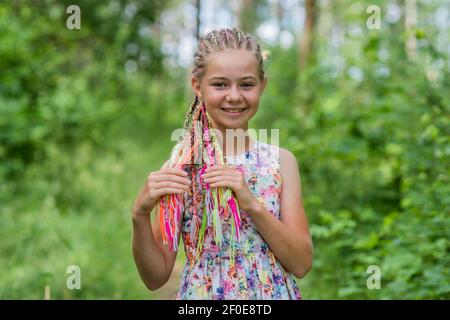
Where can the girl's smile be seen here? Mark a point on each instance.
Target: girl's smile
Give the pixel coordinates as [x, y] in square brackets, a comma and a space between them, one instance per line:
[233, 112]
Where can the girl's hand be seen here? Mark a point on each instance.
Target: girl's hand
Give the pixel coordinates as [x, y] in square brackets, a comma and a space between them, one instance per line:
[226, 176]
[160, 183]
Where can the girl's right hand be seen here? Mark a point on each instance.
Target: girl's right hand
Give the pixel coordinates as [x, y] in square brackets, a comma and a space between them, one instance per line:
[160, 183]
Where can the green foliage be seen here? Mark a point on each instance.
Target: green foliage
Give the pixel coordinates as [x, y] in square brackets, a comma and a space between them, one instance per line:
[374, 158]
[77, 139]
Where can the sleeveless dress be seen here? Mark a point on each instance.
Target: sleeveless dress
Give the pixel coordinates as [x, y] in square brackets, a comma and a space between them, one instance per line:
[255, 274]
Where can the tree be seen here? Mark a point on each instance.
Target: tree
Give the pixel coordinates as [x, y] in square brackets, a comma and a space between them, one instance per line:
[307, 40]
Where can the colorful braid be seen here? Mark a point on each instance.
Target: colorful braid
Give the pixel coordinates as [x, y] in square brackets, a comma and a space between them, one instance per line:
[209, 206]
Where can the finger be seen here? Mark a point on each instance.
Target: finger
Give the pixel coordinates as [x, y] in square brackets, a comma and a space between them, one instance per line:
[211, 173]
[222, 183]
[220, 178]
[168, 184]
[171, 177]
[175, 171]
[165, 191]
[219, 167]
[227, 173]
[214, 174]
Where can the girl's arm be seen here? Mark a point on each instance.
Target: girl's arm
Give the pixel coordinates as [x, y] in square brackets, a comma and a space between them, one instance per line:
[288, 238]
[154, 260]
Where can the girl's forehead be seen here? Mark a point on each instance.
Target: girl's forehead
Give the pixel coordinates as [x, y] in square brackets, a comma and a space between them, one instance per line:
[234, 63]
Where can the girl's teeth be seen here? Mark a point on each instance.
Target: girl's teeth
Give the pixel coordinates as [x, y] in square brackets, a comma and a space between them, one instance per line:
[234, 110]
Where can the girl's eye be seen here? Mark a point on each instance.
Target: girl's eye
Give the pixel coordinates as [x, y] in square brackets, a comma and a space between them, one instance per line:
[246, 85]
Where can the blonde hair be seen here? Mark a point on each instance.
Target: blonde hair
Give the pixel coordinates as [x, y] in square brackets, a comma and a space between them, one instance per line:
[220, 40]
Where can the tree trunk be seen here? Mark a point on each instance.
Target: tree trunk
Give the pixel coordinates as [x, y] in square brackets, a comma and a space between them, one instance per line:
[279, 13]
[306, 42]
[197, 19]
[248, 17]
[410, 26]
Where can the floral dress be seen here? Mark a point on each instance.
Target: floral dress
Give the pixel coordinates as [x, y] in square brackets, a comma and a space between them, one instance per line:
[255, 273]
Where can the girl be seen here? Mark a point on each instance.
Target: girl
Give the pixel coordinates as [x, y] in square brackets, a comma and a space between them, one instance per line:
[240, 214]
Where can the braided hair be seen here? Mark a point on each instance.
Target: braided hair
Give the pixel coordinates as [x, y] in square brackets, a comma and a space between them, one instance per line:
[199, 149]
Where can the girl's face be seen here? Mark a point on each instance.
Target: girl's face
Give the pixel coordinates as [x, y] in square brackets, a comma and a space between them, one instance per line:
[230, 84]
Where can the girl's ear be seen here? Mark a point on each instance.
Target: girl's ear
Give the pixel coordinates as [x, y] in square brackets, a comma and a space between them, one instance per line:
[263, 84]
[196, 86]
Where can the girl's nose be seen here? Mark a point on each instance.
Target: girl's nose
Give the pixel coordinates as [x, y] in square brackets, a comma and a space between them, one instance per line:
[234, 94]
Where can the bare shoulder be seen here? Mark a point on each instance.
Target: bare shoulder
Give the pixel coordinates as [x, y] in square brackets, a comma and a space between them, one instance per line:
[288, 162]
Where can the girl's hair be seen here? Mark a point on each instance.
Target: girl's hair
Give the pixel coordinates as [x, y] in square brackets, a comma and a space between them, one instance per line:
[199, 149]
[220, 40]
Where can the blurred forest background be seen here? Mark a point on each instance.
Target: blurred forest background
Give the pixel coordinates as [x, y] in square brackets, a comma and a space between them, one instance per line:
[86, 114]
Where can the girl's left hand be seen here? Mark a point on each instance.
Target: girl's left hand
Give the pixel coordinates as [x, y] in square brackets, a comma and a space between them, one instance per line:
[226, 176]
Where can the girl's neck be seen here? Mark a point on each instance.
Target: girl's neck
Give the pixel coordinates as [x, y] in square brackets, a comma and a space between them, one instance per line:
[235, 142]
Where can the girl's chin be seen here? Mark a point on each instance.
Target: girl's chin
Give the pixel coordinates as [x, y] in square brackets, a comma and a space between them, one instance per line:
[234, 122]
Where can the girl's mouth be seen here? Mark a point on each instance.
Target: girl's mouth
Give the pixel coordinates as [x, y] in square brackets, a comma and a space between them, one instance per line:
[234, 112]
